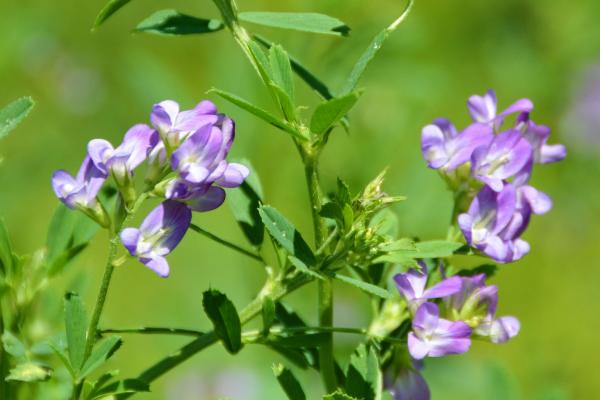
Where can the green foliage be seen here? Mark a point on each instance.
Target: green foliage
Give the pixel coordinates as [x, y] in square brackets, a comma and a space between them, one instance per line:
[109, 9]
[338, 395]
[29, 372]
[371, 52]
[257, 111]
[12, 114]
[119, 387]
[404, 251]
[286, 235]
[244, 203]
[362, 285]
[13, 346]
[288, 382]
[6, 255]
[306, 22]
[174, 23]
[281, 70]
[300, 266]
[101, 353]
[331, 112]
[76, 327]
[364, 379]
[224, 316]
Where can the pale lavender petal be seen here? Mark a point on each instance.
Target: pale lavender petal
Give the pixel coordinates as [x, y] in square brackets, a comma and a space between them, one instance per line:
[164, 114]
[497, 249]
[503, 329]
[483, 108]
[417, 348]
[474, 136]
[432, 146]
[211, 199]
[445, 288]
[206, 107]
[138, 142]
[520, 106]
[67, 189]
[157, 264]
[234, 175]
[552, 153]
[448, 346]
[130, 238]
[426, 318]
[100, 150]
[195, 173]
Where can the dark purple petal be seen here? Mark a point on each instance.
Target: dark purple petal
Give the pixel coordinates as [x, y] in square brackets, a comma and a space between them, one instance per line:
[407, 385]
[207, 201]
[411, 284]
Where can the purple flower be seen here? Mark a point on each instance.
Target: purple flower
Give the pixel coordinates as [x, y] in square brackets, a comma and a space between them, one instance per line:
[175, 125]
[407, 384]
[81, 191]
[435, 337]
[412, 287]
[493, 224]
[483, 109]
[160, 232]
[537, 136]
[201, 158]
[443, 147]
[508, 155]
[498, 330]
[137, 144]
[197, 197]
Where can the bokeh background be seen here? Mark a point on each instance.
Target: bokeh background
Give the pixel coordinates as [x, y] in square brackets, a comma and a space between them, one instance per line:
[98, 84]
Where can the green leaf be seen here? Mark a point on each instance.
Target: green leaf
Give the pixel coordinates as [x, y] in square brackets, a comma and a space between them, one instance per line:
[225, 319]
[338, 395]
[29, 372]
[285, 103]
[172, 22]
[436, 249]
[76, 325]
[109, 9]
[371, 52]
[364, 286]
[281, 70]
[306, 22]
[268, 313]
[244, 202]
[59, 351]
[385, 223]
[300, 266]
[6, 255]
[120, 387]
[404, 252]
[288, 382]
[286, 235]
[364, 380]
[331, 112]
[12, 114]
[101, 353]
[262, 61]
[257, 111]
[13, 346]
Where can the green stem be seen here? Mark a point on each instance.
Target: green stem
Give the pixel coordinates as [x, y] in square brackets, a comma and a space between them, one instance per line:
[151, 330]
[226, 243]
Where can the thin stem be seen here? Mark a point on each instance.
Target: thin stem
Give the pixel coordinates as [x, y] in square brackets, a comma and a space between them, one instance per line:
[228, 244]
[151, 330]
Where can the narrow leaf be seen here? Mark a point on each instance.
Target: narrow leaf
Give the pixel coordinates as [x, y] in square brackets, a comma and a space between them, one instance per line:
[59, 351]
[172, 22]
[101, 353]
[120, 387]
[225, 319]
[244, 202]
[364, 286]
[332, 111]
[300, 266]
[109, 9]
[281, 70]
[436, 248]
[76, 325]
[338, 395]
[371, 52]
[307, 22]
[288, 382]
[286, 235]
[257, 111]
[12, 114]
[29, 372]
[6, 254]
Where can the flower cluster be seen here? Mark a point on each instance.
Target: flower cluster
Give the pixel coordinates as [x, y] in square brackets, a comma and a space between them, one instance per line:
[185, 153]
[500, 160]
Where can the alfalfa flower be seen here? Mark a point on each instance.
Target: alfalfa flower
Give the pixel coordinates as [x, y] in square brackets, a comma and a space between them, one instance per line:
[484, 109]
[160, 232]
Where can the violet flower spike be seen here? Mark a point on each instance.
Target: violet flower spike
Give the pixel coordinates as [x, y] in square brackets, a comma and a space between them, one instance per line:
[483, 109]
[443, 147]
[433, 336]
[507, 155]
[493, 224]
[81, 191]
[411, 286]
[160, 232]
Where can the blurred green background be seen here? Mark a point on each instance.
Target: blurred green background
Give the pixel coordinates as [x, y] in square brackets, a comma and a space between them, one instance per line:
[98, 84]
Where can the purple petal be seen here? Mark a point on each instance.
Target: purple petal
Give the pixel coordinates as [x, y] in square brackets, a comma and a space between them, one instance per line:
[552, 153]
[206, 107]
[417, 348]
[483, 108]
[209, 200]
[157, 264]
[164, 114]
[445, 347]
[130, 238]
[474, 136]
[519, 106]
[445, 288]
[136, 145]
[100, 150]
[497, 249]
[92, 178]
[411, 284]
[504, 328]
[432, 146]
[171, 220]
[67, 189]
[408, 385]
[426, 318]
[234, 175]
